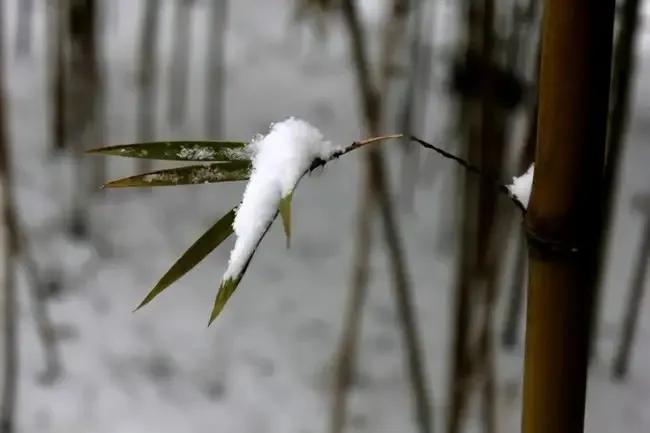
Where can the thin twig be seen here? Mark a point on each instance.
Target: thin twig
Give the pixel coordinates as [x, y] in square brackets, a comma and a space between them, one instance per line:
[473, 169]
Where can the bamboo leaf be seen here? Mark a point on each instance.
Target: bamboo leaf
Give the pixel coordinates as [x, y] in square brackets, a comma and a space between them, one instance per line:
[190, 175]
[285, 213]
[197, 252]
[187, 150]
[229, 285]
[226, 289]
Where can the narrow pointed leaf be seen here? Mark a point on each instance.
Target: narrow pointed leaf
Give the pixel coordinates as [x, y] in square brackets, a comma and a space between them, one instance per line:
[197, 252]
[187, 150]
[226, 289]
[229, 285]
[189, 175]
[285, 213]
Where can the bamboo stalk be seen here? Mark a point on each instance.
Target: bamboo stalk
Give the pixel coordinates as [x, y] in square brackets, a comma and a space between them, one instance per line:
[377, 193]
[635, 300]
[84, 105]
[216, 68]
[56, 21]
[147, 77]
[10, 303]
[177, 104]
[563, 215]
[24, 17]
[622, 73]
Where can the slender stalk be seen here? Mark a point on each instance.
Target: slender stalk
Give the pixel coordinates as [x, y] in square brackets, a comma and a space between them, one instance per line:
[622, 73]
[378, 193]
[349, 343]
[216, 68]
[635, 300]
[10, 307]
[413, 108]
[177, 106]
[563, 216]
[147, 78]
[24, 14]
[84, 69]
[56, 49]
[44, 325]
[510, 332]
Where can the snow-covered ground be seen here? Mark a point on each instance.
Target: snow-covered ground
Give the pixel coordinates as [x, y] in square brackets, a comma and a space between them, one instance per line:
[264, 365]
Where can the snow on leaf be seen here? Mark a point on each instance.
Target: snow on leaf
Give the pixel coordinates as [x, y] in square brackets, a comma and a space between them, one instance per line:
[280, 159]
[187, 150]
[194, 254]
[227, 171]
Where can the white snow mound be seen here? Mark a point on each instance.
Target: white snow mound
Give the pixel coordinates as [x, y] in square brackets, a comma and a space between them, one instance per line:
[279, 160]
[521, 186]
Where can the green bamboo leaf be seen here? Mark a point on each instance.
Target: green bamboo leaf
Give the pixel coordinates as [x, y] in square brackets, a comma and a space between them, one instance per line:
[197, 252]
[285, 213]
[226, 289]
[186, 150]
[189, 175]
[229, 285]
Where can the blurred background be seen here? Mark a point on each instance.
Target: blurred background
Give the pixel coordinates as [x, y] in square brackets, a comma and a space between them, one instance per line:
[435, 343]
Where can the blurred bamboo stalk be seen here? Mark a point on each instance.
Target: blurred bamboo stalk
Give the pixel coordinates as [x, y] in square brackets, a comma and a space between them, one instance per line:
[634, 303]
[24, 26]
[563, 219]
[216, 68]
[622, 73]
[56, 44]
[483, 120]
[177, 103]
[9, 298]
[84, 107]
[376, 193]
[510, 332]
[414, 101]
[346, 355]
[148, 77]
[44, 326]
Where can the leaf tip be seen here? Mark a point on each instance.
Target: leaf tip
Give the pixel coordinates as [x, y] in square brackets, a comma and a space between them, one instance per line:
[226, 289]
